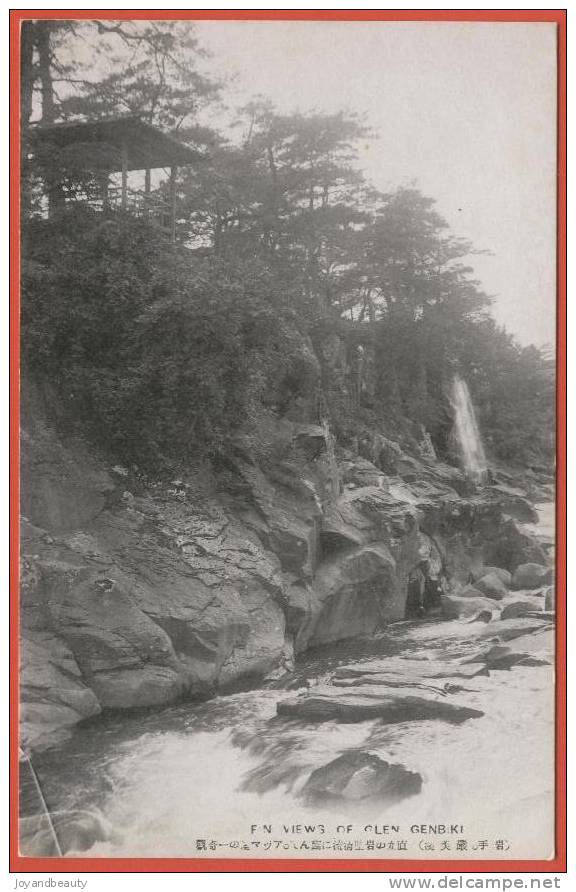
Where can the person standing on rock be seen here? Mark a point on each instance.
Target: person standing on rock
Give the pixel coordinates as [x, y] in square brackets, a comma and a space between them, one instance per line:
[416, 587]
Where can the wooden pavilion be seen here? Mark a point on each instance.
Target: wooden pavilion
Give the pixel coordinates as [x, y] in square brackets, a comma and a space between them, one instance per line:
[116, 145]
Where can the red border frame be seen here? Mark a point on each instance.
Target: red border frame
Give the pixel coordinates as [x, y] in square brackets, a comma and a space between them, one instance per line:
[226, 865]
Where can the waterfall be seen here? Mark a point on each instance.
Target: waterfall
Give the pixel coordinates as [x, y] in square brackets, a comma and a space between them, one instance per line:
[467, 433]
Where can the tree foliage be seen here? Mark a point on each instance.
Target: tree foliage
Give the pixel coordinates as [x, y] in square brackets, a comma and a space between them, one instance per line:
[294, 288]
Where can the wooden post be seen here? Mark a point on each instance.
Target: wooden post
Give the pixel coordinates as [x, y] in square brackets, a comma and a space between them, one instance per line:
[173, 173]
[147, 192]
[104, 183]
[124, 177]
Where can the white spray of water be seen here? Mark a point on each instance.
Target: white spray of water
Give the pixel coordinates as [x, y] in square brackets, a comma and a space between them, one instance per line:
[467, 432]
[169, 788]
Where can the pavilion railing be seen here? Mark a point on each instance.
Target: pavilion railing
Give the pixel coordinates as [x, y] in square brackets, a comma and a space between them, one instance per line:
[136, 202]
[153, 205]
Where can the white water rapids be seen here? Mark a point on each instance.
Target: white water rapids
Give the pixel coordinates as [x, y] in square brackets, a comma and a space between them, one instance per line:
[168, 788]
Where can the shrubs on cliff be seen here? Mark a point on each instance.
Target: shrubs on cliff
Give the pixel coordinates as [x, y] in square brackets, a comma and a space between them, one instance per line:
[159, 353]
[310, 296]
[156, 354]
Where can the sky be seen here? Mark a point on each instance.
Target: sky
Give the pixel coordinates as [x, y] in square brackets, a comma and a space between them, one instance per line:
[466, 112]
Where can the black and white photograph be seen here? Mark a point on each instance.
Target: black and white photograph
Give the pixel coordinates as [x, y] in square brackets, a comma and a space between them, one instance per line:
[288, 385]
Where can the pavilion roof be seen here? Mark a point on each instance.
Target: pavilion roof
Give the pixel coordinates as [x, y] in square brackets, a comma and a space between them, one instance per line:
[145, 146]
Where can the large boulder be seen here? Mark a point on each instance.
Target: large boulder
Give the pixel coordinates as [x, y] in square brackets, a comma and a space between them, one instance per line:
[518, 608]
[531, 576]
[356, 592]
[356, 776]
[325, 704]
[491, 586]
[503, 575]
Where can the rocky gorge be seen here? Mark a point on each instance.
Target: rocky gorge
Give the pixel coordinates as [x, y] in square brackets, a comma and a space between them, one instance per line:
[138, 593]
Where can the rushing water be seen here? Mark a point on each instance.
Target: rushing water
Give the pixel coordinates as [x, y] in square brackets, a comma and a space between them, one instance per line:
[159, 782]
[467, 432]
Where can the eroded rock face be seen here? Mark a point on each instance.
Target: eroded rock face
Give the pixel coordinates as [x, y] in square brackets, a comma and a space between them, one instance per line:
[54, 695]
[138, 602]
[137, 593]
[149, 618]
[291, 511]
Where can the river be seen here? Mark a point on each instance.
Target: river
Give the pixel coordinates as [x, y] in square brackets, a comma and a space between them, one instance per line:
[222, 778]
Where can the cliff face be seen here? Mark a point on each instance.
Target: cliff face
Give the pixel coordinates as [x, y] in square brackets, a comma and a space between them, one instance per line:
[135, 593]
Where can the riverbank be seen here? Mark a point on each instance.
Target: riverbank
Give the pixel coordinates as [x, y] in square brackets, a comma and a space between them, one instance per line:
[162, 782]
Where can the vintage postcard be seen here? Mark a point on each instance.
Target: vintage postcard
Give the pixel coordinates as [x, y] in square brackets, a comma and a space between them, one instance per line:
[288, 346]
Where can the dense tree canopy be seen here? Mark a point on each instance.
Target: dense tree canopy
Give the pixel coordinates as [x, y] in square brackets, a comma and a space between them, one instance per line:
[294, 287]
